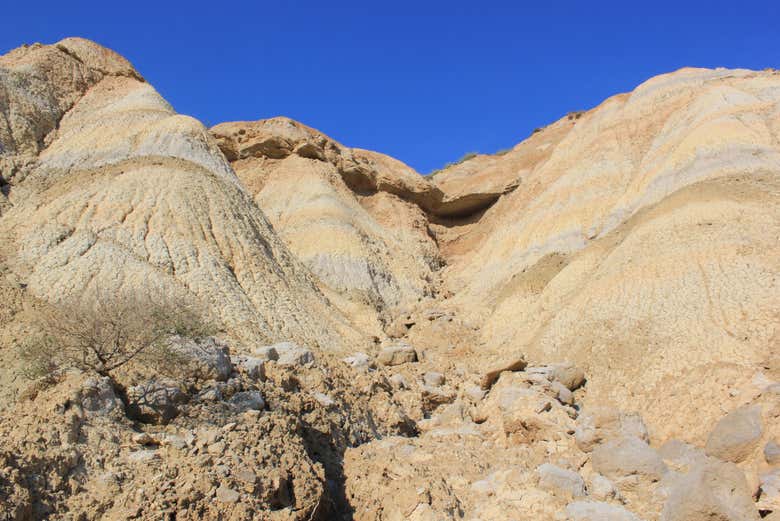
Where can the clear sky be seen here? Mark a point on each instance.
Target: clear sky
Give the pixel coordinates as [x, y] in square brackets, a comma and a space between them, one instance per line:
[422, 81]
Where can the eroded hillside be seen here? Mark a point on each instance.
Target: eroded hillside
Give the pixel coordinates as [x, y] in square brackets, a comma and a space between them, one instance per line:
[582, 327]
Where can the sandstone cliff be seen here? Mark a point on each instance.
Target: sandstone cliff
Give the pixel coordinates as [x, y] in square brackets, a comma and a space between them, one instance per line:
[109, 188]
[582, 327]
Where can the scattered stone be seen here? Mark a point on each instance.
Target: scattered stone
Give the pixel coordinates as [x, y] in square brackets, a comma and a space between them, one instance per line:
[245, 475]
[560, 481]
[681, 454]
[433, 379]
[143, 456]
[475, 393]
[175, 441]
[253, 366]
[143, 438]
[599, 424]
[204, 359]
[155, 401]
[248, 400]
[736, 435]
[209, 436]
[293, 355]
[603, 489]
[623, 457]
[267, 353]
[569, 375]
[541, 379]
[397, 355]
[597, 511]
[769, 492]
[227, 495]
[562, 393]
[433, 397]
[712, 490]
[324, 399]
[359, 361]
[217, 449]
[490, 376]
[399, 381]
[98, 397]
[210, 394]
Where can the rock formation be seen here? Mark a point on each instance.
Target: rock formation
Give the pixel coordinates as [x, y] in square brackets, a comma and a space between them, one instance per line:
[109, 188]
[582, 327]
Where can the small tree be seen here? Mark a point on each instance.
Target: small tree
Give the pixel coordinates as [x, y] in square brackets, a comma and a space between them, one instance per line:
[104, 334]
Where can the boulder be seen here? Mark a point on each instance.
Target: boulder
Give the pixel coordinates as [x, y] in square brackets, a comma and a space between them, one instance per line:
[630, 456]
[248, 400]
[736, 435]
[560, 481]
[359, 361]
[491, 375]
[324, 400]
[603, 489]
[293, 355]
[227, 495]
[569, 375]
[562, 393]
[203, 359]
[433, 397]
[99, 399]
[433, 379]
[267, 353]
[210, 394]
[597, 511]
[712, 490]
[769, 492]
[599, 424]
[155, 401]
[525, 415]
[253, 366]
[474, 393]
[397, 355]
[680, 454]
[143, 456]
[399, 381]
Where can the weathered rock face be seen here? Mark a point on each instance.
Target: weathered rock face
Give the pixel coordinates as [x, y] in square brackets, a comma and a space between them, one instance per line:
[111, 190]
[345, 213]
[640, 244]
[527, 332]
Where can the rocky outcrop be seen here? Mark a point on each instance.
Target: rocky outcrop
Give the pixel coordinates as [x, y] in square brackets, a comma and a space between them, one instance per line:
[579, 328]
[350, 216]
[638, 235]
[113, 191]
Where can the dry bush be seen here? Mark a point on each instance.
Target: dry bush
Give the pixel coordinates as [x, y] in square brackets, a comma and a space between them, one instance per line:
[102, 335]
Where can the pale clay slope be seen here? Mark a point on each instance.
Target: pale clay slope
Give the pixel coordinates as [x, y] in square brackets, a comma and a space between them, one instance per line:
[638, 239]
[125, 194]
[338, 212]
[645, 248]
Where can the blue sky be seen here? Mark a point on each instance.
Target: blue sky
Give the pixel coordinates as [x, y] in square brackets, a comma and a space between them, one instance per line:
[422, 81]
